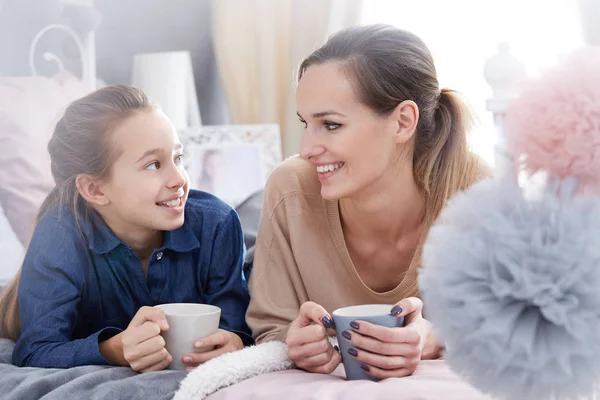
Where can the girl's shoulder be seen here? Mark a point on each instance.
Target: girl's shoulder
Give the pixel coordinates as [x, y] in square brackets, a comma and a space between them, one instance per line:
[203, 207]
[58, 242]
[59, 222]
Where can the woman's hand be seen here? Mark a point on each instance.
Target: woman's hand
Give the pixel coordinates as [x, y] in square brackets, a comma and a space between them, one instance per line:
[308, 346]
[393, 352]
[143, 347]
[222, 341]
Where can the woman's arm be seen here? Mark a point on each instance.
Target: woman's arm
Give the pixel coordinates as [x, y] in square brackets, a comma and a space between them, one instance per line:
[431, 347]
[276, 286]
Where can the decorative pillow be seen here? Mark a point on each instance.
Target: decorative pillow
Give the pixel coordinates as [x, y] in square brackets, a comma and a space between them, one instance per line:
[29, 109]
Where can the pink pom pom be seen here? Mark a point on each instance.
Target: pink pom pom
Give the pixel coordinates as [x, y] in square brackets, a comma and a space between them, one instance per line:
[554, 126]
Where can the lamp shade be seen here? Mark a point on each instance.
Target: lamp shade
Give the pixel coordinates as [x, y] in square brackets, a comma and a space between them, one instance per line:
[168, 79]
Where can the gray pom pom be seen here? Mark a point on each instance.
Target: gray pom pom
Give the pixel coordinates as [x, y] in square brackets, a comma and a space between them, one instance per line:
[512, 287]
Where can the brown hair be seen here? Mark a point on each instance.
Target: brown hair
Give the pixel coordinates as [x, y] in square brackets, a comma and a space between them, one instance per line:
[388, 65]
[79, 145]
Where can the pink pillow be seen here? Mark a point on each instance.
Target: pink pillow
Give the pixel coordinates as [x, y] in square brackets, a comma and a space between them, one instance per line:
[29, 109]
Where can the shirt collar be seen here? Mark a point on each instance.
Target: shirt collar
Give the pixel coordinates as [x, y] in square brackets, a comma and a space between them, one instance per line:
[102, 240]
[181, 239]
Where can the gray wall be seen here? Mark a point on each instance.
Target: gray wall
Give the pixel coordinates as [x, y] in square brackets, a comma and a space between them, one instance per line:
[128, 27]
[19, 22]
[139, 26]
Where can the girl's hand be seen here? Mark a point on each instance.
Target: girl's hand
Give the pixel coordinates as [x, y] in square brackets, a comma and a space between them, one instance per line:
[222, 341]
[392, 352]
[143, 347]
[307, 342]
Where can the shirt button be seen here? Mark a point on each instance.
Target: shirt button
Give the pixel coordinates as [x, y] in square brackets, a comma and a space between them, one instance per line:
[159, 255]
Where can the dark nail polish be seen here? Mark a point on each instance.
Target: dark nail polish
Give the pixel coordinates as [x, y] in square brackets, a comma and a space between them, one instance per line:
[327, 322]
[336, 348]
[396, 310]
[365, 367]
[353, 352]
[354, 325]
[347, 335]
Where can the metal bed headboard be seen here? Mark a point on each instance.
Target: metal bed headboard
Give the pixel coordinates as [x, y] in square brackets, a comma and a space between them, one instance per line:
[85, 19]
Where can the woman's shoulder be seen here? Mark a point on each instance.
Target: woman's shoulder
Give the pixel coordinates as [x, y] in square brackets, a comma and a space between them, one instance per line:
[293, 175]
[481, 168]
[484, 169]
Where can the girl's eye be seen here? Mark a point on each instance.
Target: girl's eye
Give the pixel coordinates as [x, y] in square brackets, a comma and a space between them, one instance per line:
[303, 122]
[153, 166]
[331, 126]
[179, 159]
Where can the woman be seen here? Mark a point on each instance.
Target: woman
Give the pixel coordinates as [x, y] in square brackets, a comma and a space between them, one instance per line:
[384, 149]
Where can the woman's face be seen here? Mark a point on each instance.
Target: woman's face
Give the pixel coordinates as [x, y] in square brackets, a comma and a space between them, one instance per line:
[352, 148]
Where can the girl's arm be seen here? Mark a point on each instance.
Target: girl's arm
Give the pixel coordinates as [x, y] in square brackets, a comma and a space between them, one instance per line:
[227, 287]
[140, 346]
[112, 350]
[49, 295]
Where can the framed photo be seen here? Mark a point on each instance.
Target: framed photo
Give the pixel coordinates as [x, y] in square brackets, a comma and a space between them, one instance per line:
[231, 161]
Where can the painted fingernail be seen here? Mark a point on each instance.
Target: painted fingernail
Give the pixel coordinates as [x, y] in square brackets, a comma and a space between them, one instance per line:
[354, 325]
[365, 367]
[336, 348]
[396, 310]
[347, 335]
[353, 352]
[327, 322]
[187, 359]
[198, 344]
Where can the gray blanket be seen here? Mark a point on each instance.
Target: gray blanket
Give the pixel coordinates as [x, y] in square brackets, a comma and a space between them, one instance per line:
[96, 382]
[88, 383]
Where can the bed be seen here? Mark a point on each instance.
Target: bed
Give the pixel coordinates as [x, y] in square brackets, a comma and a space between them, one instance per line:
[29, 106]
[24, 181]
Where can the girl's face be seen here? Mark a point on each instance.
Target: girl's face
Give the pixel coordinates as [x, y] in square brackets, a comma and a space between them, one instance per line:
[148, 186]
[354, 150]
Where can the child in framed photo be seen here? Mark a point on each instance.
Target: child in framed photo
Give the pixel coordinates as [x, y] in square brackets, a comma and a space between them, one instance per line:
[231, 172]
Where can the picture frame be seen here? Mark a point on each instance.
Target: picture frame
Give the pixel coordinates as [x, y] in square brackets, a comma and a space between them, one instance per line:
[231, 161]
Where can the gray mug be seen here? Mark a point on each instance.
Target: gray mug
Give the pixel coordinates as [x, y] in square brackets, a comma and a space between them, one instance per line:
[378, 314]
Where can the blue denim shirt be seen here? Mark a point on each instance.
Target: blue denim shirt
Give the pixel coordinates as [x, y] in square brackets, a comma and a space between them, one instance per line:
[79, 287]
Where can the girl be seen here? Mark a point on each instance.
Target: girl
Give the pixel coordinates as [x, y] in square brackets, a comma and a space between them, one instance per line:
[121, 232]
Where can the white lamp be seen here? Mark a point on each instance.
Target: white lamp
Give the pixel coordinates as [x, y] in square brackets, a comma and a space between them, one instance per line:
[168, 79]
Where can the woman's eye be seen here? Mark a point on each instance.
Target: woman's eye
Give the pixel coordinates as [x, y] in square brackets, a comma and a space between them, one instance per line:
[153, 166]
[303, 122]
[331, 126]
[179, 159]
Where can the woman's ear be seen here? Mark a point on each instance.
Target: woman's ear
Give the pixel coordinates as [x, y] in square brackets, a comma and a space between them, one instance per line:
[406, 115]
[91, 190]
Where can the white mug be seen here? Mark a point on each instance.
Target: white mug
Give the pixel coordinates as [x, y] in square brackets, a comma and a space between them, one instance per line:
[188, 322]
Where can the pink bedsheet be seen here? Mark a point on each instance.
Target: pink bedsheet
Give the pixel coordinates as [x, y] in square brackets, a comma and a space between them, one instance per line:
[432, 380]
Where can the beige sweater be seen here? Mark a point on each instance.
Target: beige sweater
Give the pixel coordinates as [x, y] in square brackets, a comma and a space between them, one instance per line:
[301, 256]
